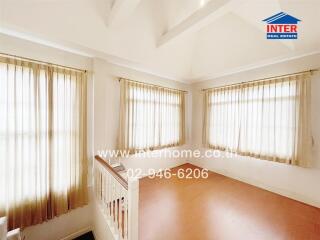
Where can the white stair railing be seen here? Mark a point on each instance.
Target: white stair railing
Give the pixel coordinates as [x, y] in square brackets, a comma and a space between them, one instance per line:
[118, 200]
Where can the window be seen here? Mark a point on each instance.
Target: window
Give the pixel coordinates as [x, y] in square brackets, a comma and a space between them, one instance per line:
[263, 119]
[42, 141]
[151, 117]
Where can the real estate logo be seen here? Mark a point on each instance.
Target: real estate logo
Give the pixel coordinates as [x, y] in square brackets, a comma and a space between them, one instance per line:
[282, 26]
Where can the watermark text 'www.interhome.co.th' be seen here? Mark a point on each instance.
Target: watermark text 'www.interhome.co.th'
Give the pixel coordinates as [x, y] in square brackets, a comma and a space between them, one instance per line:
[165, 153]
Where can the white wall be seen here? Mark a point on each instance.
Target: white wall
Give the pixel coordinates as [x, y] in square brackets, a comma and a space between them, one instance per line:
[80, 218]
[106, 111]
[295, 182]
[73, 223]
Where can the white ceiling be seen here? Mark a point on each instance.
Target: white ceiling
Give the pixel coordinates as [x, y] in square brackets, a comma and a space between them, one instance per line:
[184, 40]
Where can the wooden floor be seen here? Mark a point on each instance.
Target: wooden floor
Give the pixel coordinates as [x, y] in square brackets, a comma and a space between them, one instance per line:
[221, 208]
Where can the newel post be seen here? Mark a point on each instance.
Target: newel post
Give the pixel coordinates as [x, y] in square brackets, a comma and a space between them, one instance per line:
[133, 209]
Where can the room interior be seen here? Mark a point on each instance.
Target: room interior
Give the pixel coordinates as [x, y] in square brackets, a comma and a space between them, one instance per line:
[195, 85]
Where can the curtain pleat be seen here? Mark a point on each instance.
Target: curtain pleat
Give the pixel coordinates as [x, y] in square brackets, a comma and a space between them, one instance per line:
[43, 161]
[151, 117]
[263, 119]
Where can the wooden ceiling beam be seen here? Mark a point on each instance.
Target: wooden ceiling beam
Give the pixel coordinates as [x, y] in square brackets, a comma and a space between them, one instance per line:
[205, 15]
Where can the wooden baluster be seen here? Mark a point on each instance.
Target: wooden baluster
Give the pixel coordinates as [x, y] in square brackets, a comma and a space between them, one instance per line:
[117, 207]
[105, 187]
[125, 218]
[112, 205]
[133, 209]
[120, 212]
[108, 178]
[125, 227]
[109, 194]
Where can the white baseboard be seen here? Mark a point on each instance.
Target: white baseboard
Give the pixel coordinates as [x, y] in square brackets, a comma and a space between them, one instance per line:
[280, 191]
[78, 233]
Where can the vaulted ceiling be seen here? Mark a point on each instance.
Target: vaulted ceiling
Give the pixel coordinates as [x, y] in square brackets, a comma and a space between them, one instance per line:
[184, 40]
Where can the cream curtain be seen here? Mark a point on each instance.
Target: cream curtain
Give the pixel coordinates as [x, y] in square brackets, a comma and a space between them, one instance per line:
[43, 164]
[263, 119]
[151, 117]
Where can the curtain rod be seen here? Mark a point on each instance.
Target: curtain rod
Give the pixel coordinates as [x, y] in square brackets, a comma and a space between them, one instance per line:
[154, 85]
[264, 79]
[41, 62]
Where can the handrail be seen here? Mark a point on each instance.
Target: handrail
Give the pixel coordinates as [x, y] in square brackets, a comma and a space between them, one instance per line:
[110, 169]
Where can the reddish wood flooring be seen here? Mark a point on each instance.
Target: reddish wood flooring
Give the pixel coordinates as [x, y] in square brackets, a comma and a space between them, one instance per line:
[220, 208]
